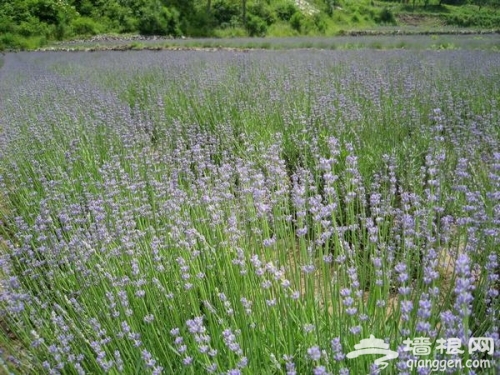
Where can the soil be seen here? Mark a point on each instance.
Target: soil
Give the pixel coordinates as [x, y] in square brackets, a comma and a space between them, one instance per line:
[419, 20]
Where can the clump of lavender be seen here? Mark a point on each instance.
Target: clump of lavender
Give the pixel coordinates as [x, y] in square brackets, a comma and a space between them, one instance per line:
[235, 216]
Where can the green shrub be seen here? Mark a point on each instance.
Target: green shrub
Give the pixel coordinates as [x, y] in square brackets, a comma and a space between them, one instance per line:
[224, 13]
[201, 24]
[128, 24]
[32, 28]
[85, 7]
[320, 23]
[454, 2]
[159, 21]
[296, 21]
[230, 32]
[285, 11]
[45, 11]
[62, 31]
[478, 19]
[264, 12]
[6, 25]
[9, 41]
[85, 26]
[340, 18]
[256, 26]
[386, 16]
[308, 24]
[281, 30]
[329, 7]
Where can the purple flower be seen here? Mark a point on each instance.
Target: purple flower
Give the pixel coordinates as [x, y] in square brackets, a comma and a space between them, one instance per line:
[212, 368]
[289, 365]
[243, 362]
[425, 306]
[463, 285]
[404, 290]
[338, 355]
[348, 301]
[308, 328]
[355, 330]
[351, 311]
[345, 292]
[196, 325]
[314, 353]
[148, 358]
[320, 370]
[401, 270]
[308, 268]
[174, 331]
[301, 231]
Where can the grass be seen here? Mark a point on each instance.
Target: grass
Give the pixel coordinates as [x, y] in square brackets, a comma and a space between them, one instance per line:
[467, 15]
[254, 212]
[385, 42]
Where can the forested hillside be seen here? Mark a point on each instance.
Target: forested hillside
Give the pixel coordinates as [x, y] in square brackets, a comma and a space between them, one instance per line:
[31, 23]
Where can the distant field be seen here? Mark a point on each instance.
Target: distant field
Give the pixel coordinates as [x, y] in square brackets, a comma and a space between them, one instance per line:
[431, 41]
[258, 212]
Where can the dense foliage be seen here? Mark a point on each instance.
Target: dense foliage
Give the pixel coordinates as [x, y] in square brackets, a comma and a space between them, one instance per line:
[31, 23]
[247, 213]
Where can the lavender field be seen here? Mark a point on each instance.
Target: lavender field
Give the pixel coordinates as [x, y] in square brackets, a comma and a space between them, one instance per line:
[248, 212]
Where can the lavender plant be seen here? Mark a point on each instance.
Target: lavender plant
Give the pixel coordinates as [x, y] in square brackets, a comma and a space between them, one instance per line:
[246, 213]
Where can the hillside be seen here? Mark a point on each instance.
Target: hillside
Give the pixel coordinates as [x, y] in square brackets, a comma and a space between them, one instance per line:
[26, 24]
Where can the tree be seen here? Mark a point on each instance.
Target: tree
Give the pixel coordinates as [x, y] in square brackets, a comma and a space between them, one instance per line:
[330, 6]
[185, 7]
[157, 19]
[244, 12]
[481, 3]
